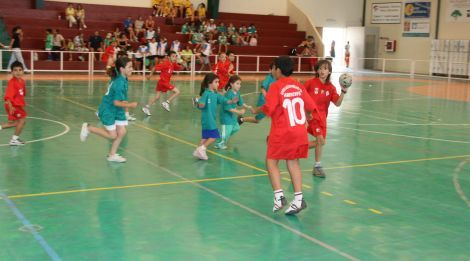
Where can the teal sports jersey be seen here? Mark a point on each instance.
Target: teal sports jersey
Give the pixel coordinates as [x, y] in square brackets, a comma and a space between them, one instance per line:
[226, 116]
[210, 99]
[117, 91]
[265, 85]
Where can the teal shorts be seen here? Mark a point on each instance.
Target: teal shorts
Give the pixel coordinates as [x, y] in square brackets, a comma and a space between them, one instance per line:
[110, 120]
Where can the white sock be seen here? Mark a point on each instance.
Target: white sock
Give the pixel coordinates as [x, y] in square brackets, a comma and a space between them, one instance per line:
[127, 114]
[278, 194]
[147, 106]
[202, 147]
[298, 196]
[14, 137]
[317, 164]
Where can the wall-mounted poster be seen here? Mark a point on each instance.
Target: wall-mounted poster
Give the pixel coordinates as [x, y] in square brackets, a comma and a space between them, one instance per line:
[386, 13]
[458, 11]
[417, 19]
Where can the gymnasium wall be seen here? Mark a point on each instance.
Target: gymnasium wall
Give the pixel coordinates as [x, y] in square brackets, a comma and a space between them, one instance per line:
[276, 7]
[133, 3]
[327, 14]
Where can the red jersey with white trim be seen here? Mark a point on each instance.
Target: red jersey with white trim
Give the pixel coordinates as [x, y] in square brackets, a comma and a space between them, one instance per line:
[322, 94]
[15, 92]
[286, 103]
[167, 68]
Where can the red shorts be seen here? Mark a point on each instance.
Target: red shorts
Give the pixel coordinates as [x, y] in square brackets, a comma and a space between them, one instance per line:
[164, 86]
[283, 151]
[316, 128]
[18, 113]
[222, 83]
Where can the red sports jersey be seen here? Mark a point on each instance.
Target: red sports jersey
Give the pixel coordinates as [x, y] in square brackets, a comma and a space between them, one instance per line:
[286, 103]
[108, 53]
[167, 68]
[222, 70]
[15, 92]
[322, 94]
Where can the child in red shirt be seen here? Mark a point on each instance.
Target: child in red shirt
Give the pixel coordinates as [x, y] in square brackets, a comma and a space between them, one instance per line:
[223, 68]
[323, 93]
[166, 67]
[287, 103]
[14, 103]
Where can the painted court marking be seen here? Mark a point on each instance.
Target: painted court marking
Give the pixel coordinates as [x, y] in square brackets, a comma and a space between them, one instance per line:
[66, 130]
[49, 250]
[455, 180]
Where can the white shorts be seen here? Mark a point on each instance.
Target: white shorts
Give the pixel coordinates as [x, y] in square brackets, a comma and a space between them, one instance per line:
[116, 123]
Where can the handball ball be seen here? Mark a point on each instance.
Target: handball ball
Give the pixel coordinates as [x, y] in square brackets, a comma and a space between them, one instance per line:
[345, 80]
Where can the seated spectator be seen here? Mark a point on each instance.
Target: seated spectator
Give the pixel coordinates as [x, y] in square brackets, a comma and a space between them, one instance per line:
[243, 32]
[79, 43]
[70, 48]
[189, 12]
[196, 40]
[201, 12]
[157, 8]
[95, 44]
[203, 27]
[149, 22]
[252, 31]
[150, 33]
[131, 34]
[117, 32]
[58, 44]
[139, 24]
[222, 28]
[81, 17]
[185, 28]
[223, 42]
[253, 41]
[186, 57]
[231, 29]
[123, 42]
[309, 47]
[141, 51]
[70, 15]
[176, 46]
[128, 22]
[178, 8]
[192, 27]
[211, 27]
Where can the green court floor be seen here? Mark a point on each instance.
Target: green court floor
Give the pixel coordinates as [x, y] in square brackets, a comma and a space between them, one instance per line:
[397, 186]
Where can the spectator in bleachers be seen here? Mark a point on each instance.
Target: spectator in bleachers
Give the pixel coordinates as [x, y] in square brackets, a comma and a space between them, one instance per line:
[175, 46]
[196, 40]
[223, 42]
[211, 28]
[157, 7]
[123, 42]
[141, 51]
[131, 33]
[81, 17]
[58, 44]
[309, 47]
[243, 32]
[117, 32]
[185, 28]
[70, 14]
[201, 12]
[252, 31]
[70, 47]
[162, 49]
[108, 40]
[186, 56]
[178, 8]
[203, 27]
[189, 12]
[231, 29]
[253, 41]
[48, 43]
[95, 44]
[192, 27]
[139, 24]
[152, 49]
[204, 54]
[150, 33]
[109, 55]
[15, 46]
[149, 22]
[221, 28]
[80, 46]
[128, 22]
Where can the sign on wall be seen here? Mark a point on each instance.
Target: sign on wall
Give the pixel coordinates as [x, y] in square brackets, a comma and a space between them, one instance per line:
[417, 19]
[458, 11]
[386, 13]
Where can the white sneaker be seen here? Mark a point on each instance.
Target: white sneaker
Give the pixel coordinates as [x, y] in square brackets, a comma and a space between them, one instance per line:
[131, 118]
[84, 132]
[200, 153]
[195, 100]
[116, 158]
[279, 203]
[146, 111]
[97, 114]
[166, 106]
[16, 142]
[296, 206]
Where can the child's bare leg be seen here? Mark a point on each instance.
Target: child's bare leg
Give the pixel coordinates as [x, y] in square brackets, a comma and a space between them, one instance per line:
[9, 124]
[19, 127]
[102, 132]
[295, 174]
[176, 92]
[274, 173]
[155, 98]
[121, 132]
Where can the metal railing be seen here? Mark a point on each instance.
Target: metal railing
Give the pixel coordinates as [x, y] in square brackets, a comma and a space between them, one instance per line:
[37, 62]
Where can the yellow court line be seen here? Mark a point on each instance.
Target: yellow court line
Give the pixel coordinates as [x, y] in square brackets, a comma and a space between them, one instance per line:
[375, 211]
[350, 202]
[132, 186]
[174, 138]
[393, 162]
[327, 193]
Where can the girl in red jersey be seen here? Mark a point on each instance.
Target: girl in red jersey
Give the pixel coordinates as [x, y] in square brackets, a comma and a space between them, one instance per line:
[166, 67]
[14, 103]
[222, 69]
[323, 93]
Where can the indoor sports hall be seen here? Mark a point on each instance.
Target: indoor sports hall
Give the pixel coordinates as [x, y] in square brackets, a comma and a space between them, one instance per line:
[396, 158]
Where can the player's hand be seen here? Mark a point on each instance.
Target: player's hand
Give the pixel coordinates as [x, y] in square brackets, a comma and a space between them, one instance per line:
[242, 111]
[344, 90]
[132, 105]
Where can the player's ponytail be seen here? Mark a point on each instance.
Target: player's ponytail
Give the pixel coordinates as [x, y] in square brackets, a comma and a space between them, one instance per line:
[232, 80]
[121, 62]
[208, 79]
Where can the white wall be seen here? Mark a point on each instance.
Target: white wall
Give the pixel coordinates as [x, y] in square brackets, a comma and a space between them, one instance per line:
[332, 13]
[133, 3]
[264, 7]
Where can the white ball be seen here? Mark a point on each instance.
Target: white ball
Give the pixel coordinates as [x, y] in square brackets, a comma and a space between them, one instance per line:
[345, 80]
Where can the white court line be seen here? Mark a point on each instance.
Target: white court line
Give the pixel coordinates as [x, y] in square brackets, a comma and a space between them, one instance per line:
[455, 180]
[67, 129]
[398, 99]
[248, 209]
[406, 136]
[410, 124]
[246, 94]
[380, 118]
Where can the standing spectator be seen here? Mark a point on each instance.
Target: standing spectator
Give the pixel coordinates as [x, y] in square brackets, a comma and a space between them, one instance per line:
[139, 55]
[347, 54]
[128, 22]
[178, 8]
[157, 6]
[95, 44]
[150, 33]
[117, 32]
[58, 44]
[79, 43]
[201, 12]
[70, 14]
[15, 45]
[189, 11]
[48, 44]
[332, 49]
[139, 24]
[186, 56]
[81, 17]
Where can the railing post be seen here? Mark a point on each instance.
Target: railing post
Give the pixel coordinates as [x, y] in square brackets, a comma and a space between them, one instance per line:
[238, 64]
[257, 63]
[299, 63]
[449, 70]
[193, 65]
[92, 63]
[383, 65]
[31, 61]
[61, 61]
[413, 65]
[144, 66]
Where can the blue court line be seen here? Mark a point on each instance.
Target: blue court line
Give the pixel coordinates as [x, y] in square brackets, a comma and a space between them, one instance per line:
[52, 254]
